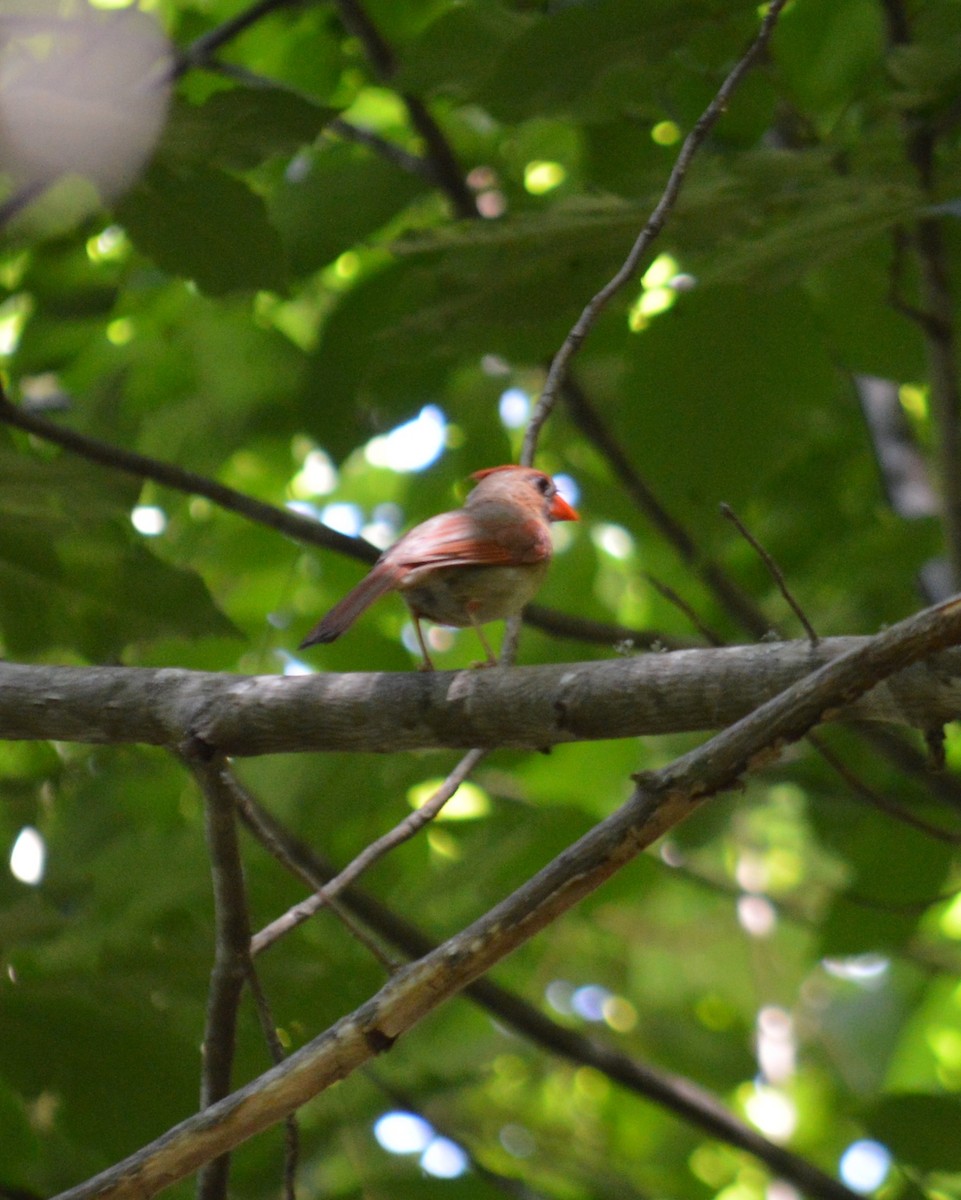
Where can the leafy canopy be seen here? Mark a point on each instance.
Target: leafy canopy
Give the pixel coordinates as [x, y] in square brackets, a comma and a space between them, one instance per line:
[286, 301]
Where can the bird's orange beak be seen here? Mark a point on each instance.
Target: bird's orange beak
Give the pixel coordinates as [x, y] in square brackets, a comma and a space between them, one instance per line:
[561, 510]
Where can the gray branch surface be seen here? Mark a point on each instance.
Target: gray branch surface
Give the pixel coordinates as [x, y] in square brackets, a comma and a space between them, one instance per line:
[518, 707]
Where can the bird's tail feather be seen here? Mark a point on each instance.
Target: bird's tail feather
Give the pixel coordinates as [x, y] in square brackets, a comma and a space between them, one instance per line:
[345, 612]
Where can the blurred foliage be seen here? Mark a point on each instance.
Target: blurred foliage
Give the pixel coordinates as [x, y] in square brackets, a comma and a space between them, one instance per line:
[266, 305]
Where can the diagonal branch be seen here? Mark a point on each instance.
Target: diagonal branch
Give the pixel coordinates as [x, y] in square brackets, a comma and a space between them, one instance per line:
[202, 49]
[284, 521]
[373, 853]
[447, 171]
[595, 306]
[661, 800]
[681, 1096]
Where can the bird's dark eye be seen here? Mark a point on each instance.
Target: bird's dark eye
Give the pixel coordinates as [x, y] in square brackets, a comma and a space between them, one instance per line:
[544, 485]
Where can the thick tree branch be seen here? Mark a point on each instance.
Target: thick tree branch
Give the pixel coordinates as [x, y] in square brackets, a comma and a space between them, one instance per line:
[521, 707]
[661, 800]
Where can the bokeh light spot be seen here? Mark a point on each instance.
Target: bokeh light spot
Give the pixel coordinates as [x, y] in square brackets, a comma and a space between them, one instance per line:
[864, 1165]
[28, 856]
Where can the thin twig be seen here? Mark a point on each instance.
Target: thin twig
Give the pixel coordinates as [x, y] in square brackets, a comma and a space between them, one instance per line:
[268, 1027]
[232, 962]
[655, 223]
[877, 800]
[602, 633]
[669, 594]
[199, 52]
[375, 851]
[907, 758]
[253, 816]
[775, 571]
[412, 164]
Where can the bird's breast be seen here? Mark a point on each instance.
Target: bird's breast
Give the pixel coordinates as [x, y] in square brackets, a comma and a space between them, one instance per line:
[464, 595]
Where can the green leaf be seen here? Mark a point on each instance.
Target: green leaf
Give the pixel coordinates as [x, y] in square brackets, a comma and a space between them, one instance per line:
[98, 1037]
[205, 225]
[72, 571]
[21, 1146]
[242, 128]
[337, 198]
[717, 391]
[594, 60]
[460, 49]
[919, 1130]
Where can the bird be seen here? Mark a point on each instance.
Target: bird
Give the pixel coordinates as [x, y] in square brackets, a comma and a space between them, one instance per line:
[479, 563]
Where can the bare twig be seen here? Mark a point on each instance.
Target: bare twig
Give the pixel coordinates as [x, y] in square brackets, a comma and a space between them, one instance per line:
[907, 758]
[601, 633]
[669, 594]
[202, 49]
[775, 571]
[250, 814]
[655, 223]
[412, 164]
[877, 799]
[232, 962]
[277, 1053]
[401, 833]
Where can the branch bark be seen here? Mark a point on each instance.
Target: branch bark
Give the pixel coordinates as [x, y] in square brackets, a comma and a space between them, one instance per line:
[679, 1095]
[519, 707]
[661, 800]
[232, 961]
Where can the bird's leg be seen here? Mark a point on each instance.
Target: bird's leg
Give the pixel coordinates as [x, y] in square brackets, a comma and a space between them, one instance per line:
[426, 665]
[491, 660]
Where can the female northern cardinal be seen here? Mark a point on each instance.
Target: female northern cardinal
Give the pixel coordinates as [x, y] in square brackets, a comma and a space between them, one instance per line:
[477, 564]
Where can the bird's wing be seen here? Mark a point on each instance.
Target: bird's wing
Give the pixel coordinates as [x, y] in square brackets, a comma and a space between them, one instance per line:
[460, 539]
